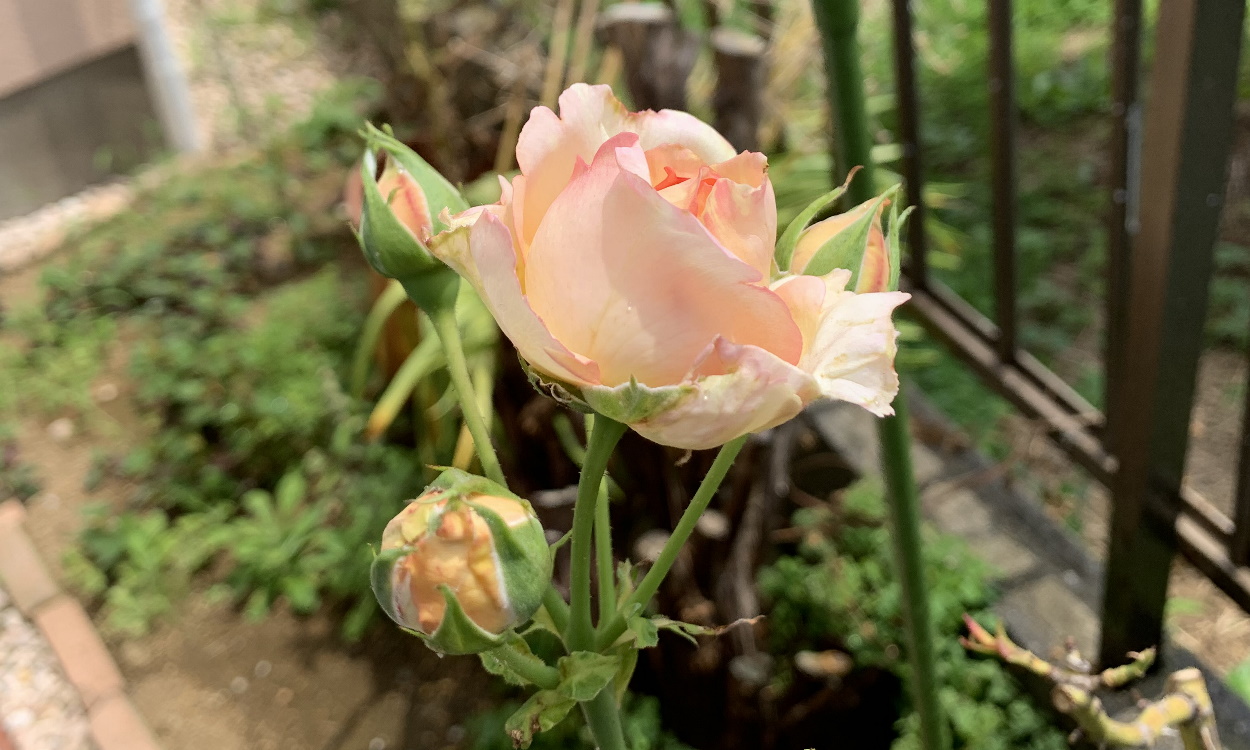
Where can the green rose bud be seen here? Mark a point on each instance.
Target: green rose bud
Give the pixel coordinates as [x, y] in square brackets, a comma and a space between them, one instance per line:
[402, 209]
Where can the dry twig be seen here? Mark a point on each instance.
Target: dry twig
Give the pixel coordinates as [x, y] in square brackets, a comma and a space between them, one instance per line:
[1185, 708]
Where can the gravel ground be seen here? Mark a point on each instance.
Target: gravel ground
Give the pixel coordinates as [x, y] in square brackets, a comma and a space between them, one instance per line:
[25, 239]
[39, 708]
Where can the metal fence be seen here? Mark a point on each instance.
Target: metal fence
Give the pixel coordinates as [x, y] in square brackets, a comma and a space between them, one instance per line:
[1169, 165]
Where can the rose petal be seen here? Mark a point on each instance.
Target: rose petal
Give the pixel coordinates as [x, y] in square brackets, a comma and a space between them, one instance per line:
[549, 146]
[483, 254]
[753, 391]
[638, 286]
[851, 353]
[744, 219]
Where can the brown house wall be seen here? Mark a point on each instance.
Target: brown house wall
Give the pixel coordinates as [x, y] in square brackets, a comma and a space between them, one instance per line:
[42, 38]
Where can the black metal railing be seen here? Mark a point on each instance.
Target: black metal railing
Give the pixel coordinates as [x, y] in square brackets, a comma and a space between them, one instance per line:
[1168, 173]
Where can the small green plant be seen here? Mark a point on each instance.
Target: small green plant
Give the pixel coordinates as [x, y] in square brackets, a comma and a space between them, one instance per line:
[640, 724]
[838, 590]
[1239, 679]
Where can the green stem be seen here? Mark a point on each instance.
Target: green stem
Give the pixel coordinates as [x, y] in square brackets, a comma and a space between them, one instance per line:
[604, 435]
[904, 512]
[530, 667]
[557, 608]
[650, 583]
[603, 555]
[383, 307]
[838, 21]
[604, 719]
[448, 331]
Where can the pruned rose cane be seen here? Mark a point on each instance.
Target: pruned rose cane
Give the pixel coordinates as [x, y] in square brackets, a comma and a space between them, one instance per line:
[462, 563]
[631, 263]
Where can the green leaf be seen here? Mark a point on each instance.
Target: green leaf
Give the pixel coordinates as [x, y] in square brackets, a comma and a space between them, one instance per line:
[541, 712]
[498, 667]
[584, 673]
[646, 633]
[290, 492]
[625, 672]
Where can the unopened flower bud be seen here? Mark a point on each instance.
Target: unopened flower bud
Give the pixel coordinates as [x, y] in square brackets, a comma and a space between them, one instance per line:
[400, 212]
[852, 240]
[462, 563]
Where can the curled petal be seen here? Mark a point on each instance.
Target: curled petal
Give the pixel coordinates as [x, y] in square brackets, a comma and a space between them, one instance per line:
[851, 352]
[484, 256]
[744, 219]
[652, 287]
[748, 390]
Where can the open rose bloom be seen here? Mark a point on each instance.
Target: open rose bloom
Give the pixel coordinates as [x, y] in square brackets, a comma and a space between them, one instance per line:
[631, 262]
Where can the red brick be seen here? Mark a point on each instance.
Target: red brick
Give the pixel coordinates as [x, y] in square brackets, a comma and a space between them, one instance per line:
[83, 655]
[116, 725]
[22, 571]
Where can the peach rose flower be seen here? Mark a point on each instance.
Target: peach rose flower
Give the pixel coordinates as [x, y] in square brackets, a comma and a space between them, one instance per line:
[631, 262]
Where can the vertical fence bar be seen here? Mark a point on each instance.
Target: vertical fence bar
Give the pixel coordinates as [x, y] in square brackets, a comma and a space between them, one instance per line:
[1121, 206]
[1003, 174]
[1239, 545]
[1188, 133]
[909, 136]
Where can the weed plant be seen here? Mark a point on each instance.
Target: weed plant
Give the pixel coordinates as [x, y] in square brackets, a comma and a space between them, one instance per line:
[837, 591]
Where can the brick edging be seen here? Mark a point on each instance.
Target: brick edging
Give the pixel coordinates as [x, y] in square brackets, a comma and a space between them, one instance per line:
[85, 660]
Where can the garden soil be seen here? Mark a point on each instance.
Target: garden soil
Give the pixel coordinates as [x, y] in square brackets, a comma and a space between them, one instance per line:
[209, 679]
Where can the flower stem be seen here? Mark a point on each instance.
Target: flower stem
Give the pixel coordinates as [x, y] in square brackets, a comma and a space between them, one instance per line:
[603, 555]
[610, 631]
[838, 21]
[448, 331]
[604, 435]
[904, 514]
[530, 667]
[604, 719]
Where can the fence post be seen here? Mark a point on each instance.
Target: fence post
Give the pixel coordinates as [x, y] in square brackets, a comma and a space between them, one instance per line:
[1188, 133]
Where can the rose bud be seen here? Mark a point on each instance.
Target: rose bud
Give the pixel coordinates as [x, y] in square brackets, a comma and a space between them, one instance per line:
[631, 263]
[462, 563]
[853, 240]
[399, 213]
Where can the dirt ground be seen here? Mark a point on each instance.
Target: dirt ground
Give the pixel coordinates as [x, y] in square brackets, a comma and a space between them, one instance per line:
[211, 680]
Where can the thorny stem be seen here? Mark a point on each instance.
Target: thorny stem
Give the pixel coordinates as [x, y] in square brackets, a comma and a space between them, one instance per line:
[603, 437]
[612, 629]
[448, 331]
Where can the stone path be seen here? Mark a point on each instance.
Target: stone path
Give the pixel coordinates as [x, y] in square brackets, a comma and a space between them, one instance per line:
[59, 686]
[40, 708]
